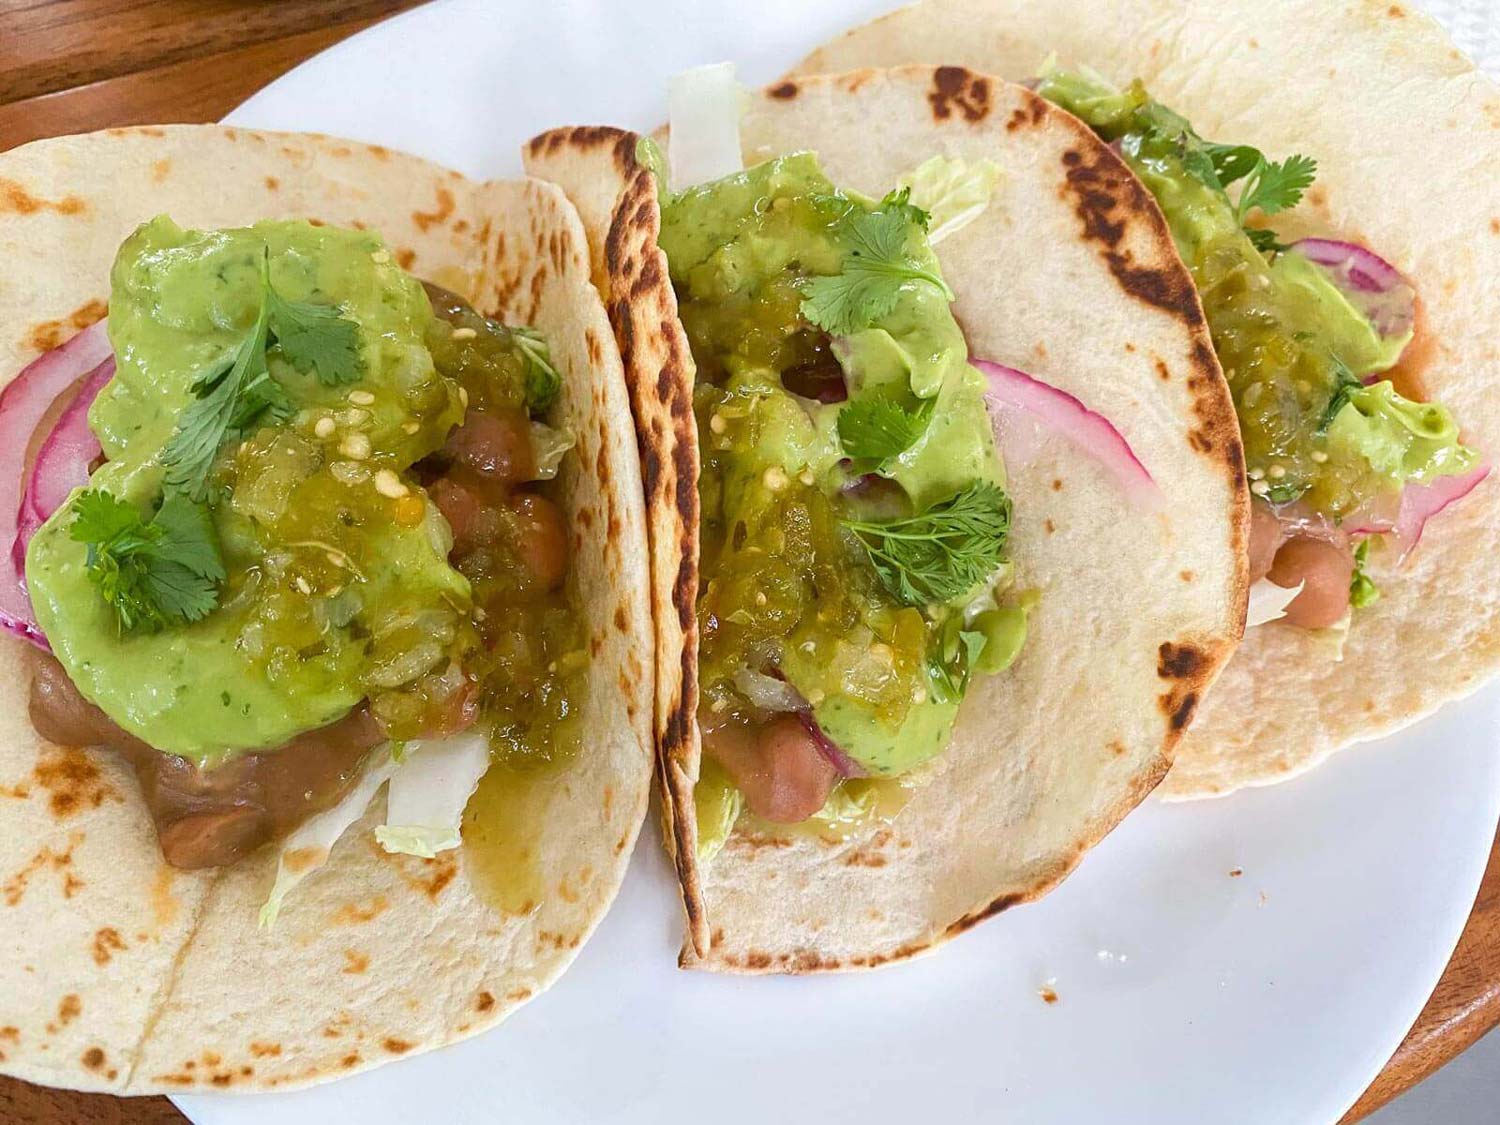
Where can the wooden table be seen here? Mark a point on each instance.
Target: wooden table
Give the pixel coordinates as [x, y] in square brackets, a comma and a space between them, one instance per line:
[68, 66]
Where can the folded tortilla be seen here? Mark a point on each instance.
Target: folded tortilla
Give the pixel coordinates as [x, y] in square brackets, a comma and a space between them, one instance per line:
[1406, 133]
[122, 974]
[1068, 274]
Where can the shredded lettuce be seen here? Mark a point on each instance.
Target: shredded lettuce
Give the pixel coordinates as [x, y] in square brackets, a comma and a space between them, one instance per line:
[1268, 602]
[308, 848]
[703, 108]
[428, 793]
[716, 805]
[952, 191]
[550, 445]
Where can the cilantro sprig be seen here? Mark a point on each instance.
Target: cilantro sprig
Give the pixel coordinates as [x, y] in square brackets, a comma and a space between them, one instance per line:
[874, 269]
[151, 574]
[1150, 131]
[238, 393]
[943, 552]
[877, 429]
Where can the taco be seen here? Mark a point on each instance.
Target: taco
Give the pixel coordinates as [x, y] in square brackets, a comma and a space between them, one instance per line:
[342, 500]
[1348, 284]
[907, 673]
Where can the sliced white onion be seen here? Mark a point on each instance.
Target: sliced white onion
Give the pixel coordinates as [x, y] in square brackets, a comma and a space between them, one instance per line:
[425, 805]
[1268, 602]
[308, 848]
[768, 693]
[703, 109]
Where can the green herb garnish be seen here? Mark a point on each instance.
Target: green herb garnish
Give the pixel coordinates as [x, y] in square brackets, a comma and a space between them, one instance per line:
[941, 553]
[877, 429]
[316, 337]
[165, 572]
[1362, 589]
[238, 394]
[875, 268]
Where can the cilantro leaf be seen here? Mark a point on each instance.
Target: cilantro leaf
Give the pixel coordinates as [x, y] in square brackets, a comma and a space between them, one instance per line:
[874, 268]
[239, 394]
[943, 552]
[1274, 187]
[542, 380]
[879, 428]
[1232, 162]
[1344, 387]
[316, 337]
[219, 410]
[1264, 240]
[152, 575]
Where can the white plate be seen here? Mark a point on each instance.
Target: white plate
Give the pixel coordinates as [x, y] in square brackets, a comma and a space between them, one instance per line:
[1185, 994]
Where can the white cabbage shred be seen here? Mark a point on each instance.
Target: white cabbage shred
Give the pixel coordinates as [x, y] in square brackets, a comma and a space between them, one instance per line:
[425, 805]
[952, 191]
[431, 782]
[1268, 602]
[308, 848]
[703, 109]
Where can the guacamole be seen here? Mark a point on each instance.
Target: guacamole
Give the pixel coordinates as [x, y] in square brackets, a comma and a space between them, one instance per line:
[331, 581]
[1300, 358]
[853, 507]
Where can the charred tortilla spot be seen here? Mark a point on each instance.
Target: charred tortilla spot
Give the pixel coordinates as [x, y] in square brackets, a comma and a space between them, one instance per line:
[406, 258]
[15, 198]
[1105, 197]
[955, 87]
[262, 1050]
[107, 942]
[784, 90]
[73, 782]
[1004, 902]
[1180, 661]
[1179, 711]
[396, 1046]
[94, 1058]
[425, 220]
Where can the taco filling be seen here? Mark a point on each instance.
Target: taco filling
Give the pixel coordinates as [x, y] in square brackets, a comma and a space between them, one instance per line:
[854, 511]
[317, 549]
[1322, 344]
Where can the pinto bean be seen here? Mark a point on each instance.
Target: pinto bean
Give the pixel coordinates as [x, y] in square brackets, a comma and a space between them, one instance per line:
[777, 766]
[1324, 568]
[1266, 535]
[496, 445]
[541, 538]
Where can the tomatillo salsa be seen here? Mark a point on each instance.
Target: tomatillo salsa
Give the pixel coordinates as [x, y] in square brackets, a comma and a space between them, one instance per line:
[854, 514]
[1304, 341]
[322, 520]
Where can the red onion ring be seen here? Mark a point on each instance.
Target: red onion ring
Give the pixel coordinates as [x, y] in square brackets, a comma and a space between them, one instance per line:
[1091, 432]
[62, 464]
[23, 405]
[1372, 284]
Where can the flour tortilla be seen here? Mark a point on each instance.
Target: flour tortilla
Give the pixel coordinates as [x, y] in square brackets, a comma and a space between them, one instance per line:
[1068, 274]
[1406, 133]
[119, 973]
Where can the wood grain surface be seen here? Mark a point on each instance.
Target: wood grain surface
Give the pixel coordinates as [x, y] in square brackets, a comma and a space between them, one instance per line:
[69, 66]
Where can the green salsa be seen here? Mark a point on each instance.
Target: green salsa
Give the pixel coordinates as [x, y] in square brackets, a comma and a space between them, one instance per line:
[337, 584]
[1295, 350]
[789, 590]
